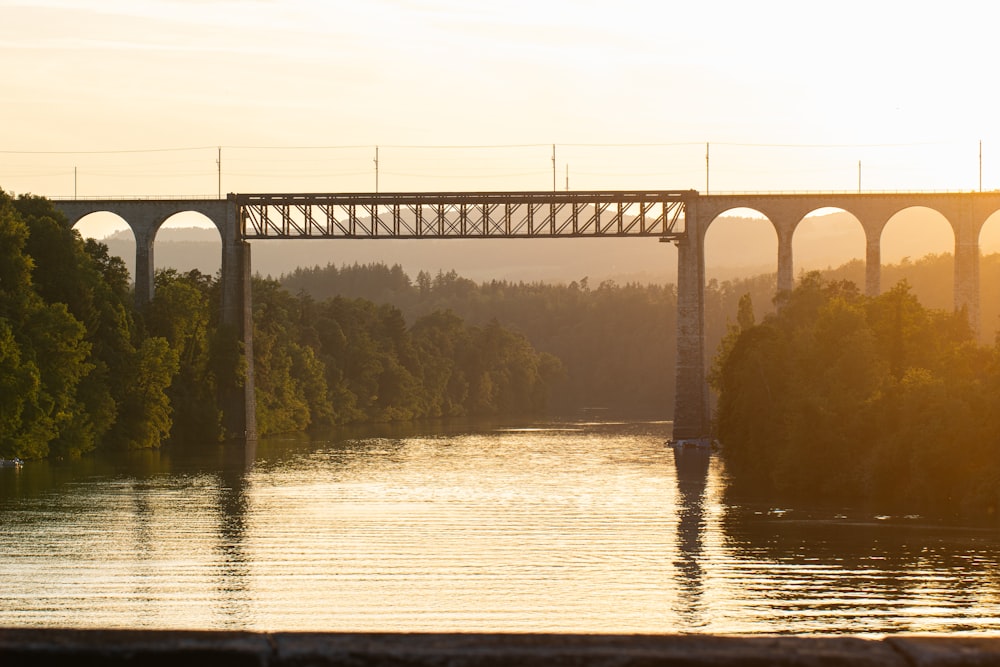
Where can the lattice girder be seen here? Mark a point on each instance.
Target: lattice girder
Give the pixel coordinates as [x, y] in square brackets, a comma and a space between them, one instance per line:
[464, 215]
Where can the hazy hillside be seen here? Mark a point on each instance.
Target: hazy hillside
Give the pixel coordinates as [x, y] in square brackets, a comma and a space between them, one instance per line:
[735, 247]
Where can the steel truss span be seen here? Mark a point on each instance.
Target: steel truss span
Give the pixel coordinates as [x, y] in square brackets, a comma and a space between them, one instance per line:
[465, 215]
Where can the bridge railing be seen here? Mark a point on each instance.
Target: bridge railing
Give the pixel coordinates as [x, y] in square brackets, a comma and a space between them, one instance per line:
[463, 215]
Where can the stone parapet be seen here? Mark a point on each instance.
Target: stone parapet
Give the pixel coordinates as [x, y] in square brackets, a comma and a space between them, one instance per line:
[35, 647]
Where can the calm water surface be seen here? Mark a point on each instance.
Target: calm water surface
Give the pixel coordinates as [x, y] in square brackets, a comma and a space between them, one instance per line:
[561, 527]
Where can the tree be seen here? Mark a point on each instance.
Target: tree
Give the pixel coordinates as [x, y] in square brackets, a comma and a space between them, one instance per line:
[843, 397]
[145, 417]
[48, 345]
[181, 313]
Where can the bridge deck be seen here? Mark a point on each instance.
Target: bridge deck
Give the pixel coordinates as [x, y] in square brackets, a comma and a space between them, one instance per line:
[463, 215]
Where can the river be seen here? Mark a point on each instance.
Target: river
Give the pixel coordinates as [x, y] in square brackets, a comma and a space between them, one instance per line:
[544, 527]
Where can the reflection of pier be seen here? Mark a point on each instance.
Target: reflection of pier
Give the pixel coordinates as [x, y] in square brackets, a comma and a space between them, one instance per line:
[235, 594]
[691, 465]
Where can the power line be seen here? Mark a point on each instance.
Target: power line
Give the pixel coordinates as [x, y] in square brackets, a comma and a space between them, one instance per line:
[109, 152]
[899, 145]
[471, 147]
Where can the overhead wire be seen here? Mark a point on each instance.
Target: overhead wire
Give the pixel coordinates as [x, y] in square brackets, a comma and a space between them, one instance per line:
[473, 146]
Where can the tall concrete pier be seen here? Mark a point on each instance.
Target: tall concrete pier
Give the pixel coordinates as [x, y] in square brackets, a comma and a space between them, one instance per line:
[691, 407]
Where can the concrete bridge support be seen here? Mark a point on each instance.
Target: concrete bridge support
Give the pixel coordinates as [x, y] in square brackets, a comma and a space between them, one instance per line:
[691, 408]
[786, 275]
[873, 263]
[145, 234]
[967, 267]
[238, 400]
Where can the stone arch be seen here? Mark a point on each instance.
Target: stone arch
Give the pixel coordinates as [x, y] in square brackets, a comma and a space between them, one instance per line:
[99, 225]
[113, 231]
[745, 227]
[918, 244]
[820, 242]
[740, 231]
[189, 240]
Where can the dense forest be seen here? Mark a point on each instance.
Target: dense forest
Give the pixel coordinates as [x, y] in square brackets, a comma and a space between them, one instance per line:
[842, 397]
[76, 369]
[81, 369]
[615, 342]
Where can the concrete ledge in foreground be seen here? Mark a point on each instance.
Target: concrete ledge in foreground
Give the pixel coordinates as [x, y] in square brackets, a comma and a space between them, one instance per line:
[39, 647]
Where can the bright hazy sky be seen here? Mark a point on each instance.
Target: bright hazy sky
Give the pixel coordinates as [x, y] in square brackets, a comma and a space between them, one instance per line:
[136, 95]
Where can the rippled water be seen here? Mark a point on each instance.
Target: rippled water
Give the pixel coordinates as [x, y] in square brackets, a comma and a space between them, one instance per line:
[560, 527]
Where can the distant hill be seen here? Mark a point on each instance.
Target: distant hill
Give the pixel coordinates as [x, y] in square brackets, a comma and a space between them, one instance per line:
[735, 247]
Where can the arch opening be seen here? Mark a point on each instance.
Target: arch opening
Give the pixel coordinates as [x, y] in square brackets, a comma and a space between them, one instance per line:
[918, 245]
[187, 241]
[102, 225]
[740, 243]
[832, 241]
[741, 257]
[114, 232]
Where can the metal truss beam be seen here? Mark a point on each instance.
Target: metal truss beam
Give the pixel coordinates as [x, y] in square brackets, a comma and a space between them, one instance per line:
[464, 215]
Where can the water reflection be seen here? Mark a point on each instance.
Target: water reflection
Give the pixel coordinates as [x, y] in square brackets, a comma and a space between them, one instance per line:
[821, 571]
[691, 467]
[143, 536]
[233, 508]
[585, 527]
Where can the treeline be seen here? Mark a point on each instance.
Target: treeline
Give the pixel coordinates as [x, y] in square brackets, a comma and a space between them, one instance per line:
[76, 367]
[615, 342]
[81, 369]
[843, 397]
[341, 360]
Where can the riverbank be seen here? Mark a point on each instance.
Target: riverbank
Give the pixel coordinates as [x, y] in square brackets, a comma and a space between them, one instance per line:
[220, 649]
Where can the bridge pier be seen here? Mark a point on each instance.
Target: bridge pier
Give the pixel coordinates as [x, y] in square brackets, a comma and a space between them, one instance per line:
[238, 403]
[967, 267]
[786, 276]
[145, 234]
[873, 262]
[691, 411]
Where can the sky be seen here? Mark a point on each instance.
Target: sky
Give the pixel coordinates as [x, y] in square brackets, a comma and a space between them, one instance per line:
[142, 97]
[122, 98]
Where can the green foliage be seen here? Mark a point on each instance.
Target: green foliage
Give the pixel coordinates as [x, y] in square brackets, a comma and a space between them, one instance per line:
[145, 418]
[45, 353]
[610, 347]
[20, 387]
[843, 397]
[76, 371]
[343, 360]
[181, 313]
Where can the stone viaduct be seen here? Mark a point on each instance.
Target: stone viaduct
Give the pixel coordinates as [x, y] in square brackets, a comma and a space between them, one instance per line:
[966, 212]
[145, 217]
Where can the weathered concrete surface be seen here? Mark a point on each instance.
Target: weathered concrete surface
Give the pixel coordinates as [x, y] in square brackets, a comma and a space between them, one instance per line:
[950, 651]
[309, 650]
[24, 648]
[38, 647]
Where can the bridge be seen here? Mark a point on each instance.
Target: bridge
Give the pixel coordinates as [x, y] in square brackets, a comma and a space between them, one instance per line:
[679, 216]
